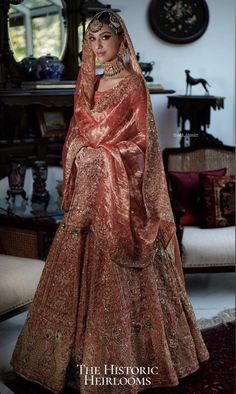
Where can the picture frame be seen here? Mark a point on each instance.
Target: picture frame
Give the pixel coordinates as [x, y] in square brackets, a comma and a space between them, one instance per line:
[51, 123]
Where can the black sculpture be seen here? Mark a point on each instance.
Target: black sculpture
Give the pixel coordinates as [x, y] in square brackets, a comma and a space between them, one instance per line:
[16, 179]
[146, 68]
[190, 81]
[40, 194]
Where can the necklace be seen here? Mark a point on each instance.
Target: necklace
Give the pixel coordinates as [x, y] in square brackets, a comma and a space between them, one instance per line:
[112, 68]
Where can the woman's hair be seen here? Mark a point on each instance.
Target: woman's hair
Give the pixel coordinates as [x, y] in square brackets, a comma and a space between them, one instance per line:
[110, 19]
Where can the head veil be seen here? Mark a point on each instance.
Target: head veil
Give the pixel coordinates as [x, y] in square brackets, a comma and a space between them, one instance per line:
[155, 193]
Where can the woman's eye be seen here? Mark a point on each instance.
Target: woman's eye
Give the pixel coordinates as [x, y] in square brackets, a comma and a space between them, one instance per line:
[91, 38]
[106, 37]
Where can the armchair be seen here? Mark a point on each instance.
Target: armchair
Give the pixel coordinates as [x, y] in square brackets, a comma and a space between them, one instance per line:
[203, 249]
[21, 264]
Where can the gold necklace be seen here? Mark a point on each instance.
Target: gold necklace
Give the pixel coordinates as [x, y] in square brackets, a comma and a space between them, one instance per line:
[112, 68]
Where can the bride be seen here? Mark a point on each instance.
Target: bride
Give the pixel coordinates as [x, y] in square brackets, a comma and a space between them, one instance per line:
[111, 313]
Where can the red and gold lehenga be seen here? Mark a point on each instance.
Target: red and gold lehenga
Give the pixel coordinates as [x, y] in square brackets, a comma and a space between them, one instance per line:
[112, 290]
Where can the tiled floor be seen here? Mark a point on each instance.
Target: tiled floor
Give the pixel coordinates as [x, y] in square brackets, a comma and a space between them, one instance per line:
[209, 294]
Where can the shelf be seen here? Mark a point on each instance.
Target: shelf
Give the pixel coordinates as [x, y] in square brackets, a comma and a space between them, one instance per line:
[57, 97]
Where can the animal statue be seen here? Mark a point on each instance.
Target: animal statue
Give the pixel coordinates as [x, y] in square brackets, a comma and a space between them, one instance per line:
[190, 81]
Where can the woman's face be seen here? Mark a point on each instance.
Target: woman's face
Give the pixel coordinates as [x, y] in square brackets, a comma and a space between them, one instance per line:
[105, 44]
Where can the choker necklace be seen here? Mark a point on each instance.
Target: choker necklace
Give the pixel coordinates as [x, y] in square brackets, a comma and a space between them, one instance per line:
[112, 68]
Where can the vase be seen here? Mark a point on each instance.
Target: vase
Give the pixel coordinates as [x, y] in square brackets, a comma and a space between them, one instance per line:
[49, 68]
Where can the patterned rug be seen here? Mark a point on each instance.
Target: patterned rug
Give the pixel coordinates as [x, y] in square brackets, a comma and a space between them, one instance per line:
[214, 376]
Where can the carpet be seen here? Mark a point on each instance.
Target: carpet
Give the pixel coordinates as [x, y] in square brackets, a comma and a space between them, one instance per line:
[214, 376]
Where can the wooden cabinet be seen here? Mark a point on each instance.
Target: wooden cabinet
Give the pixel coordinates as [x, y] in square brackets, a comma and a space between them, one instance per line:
[20, 126]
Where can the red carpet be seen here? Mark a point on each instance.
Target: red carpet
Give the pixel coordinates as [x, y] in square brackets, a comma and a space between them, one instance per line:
[214, 376]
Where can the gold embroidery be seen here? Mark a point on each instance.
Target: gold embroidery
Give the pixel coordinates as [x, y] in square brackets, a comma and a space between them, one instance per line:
[74, 233]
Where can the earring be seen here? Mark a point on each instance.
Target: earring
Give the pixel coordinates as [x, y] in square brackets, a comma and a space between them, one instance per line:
[122, 51]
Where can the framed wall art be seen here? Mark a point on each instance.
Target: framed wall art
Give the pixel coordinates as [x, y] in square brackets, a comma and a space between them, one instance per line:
[51, 123]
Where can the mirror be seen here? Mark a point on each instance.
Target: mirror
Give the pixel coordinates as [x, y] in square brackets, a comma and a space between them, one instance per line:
[37, 27]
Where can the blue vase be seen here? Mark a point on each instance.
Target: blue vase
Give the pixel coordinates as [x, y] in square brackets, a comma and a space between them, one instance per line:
[49, 68]
[28, 66]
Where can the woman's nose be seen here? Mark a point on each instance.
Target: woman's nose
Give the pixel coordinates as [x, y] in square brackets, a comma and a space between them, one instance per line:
[99, 44]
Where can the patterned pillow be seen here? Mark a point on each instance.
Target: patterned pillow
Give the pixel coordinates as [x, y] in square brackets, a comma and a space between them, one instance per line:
[217, 201]
[186, 190]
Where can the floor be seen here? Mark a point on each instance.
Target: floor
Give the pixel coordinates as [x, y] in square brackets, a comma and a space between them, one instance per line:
[209, 294]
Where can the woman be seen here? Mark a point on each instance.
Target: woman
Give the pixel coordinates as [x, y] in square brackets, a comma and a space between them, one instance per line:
[111, 314]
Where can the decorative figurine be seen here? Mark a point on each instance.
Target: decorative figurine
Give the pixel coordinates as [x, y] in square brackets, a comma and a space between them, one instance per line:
[190, 81]
[16, 179]
[146, 68]
[40, 172]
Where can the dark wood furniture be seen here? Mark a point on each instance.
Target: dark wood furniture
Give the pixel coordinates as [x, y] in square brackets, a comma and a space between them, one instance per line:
[20, 128]
[196, 110]
[27, 234]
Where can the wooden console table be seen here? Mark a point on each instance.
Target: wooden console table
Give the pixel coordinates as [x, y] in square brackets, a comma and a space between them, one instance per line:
[51, 97]
[196, 110]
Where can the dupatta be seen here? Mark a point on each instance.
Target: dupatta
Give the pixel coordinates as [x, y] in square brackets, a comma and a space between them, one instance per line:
[133, 213]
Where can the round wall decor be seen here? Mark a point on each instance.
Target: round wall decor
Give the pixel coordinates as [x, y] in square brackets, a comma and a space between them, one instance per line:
[180, 21]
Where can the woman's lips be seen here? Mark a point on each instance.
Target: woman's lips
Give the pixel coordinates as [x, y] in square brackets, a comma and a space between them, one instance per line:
[100, 54]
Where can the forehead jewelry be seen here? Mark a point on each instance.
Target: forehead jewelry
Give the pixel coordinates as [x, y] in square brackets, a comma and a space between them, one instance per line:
[95, 26]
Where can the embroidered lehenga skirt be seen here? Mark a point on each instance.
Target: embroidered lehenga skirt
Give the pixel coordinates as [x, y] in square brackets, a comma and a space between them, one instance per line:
[91, 312]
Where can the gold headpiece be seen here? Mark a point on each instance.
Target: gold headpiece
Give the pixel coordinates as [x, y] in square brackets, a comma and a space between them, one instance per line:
[115, 24]
[97, 25]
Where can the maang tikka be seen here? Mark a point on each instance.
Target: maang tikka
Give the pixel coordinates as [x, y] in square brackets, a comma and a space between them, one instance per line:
[96, 25]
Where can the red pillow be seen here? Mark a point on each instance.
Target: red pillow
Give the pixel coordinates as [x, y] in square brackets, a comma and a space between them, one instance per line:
[186, 190]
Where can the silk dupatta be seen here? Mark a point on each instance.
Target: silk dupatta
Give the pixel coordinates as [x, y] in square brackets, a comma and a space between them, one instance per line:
[133, 216]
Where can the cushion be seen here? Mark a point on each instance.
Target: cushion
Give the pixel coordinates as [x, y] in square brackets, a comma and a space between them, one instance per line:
[19, 278]
[186, 189]
[208, 247]
[217, 201]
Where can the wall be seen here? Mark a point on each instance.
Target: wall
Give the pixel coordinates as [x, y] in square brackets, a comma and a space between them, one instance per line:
[211, 57]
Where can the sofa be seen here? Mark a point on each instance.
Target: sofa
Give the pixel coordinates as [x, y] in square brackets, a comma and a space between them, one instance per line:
[207, 242]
